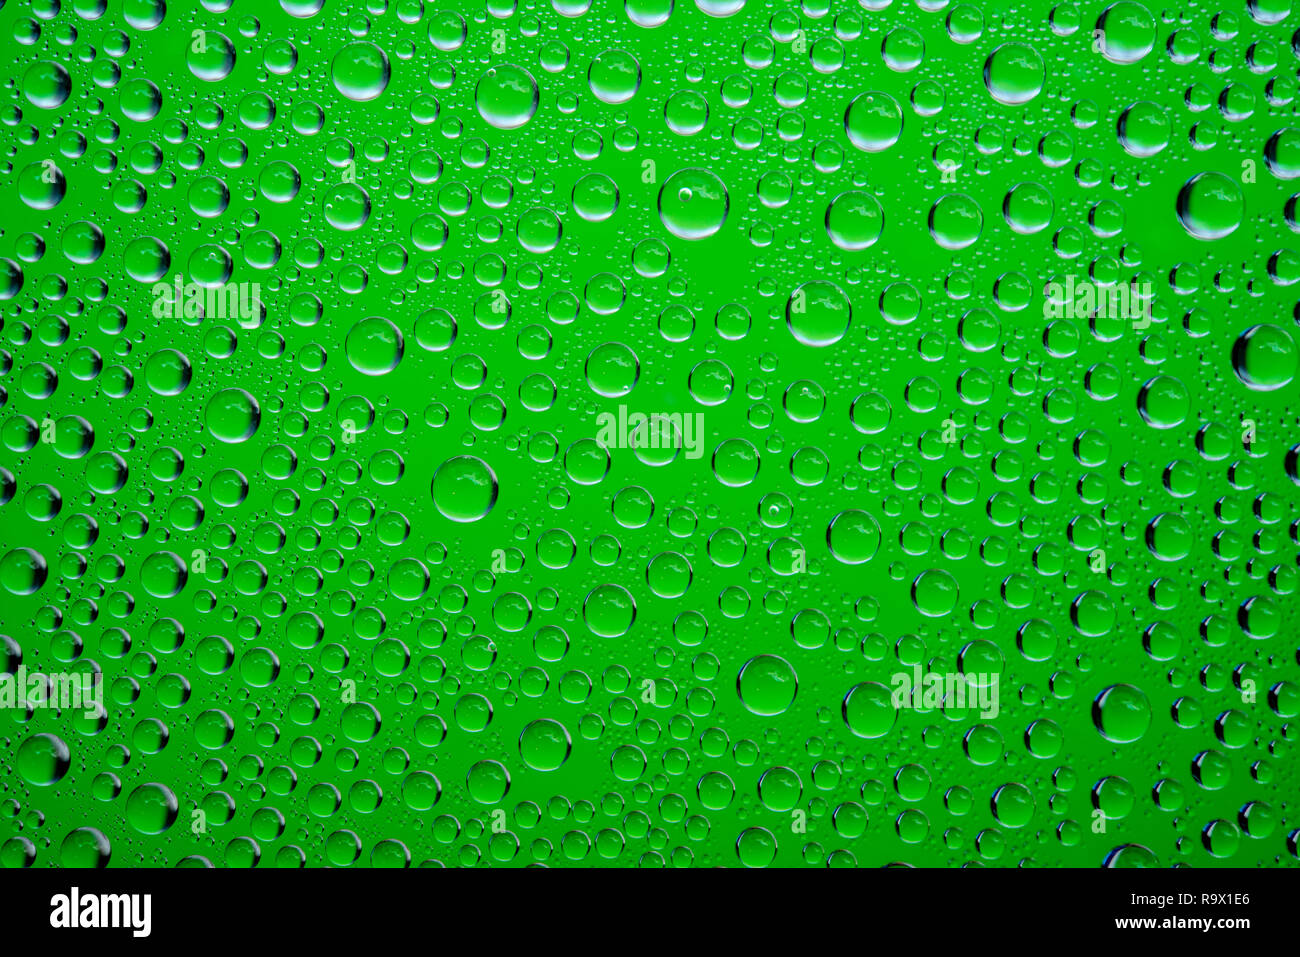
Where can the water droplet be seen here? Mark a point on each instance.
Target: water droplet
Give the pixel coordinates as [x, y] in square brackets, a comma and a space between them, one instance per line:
[464, 489]
[506, 96]
[693, 203]
[1210, 205]
[360, 71]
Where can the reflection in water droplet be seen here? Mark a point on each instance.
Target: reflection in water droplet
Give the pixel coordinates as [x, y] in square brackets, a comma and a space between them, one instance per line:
[693, 203]
[818, 313]
[1211, 205]
[1013, 73]
[767, 685]
[614, 76]
[1127, 32]
[1121, 713]
[464, 489]
[47, 85]
[43, 759]
[233, 415]
[210, 56]
[873, 122]
[956, 221]
[854, 220]
[374, 346]
[545, 744]
[506, 96]
[1264, 357]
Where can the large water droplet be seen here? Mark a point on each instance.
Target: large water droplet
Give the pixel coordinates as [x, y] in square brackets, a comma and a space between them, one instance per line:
[873, 122]
[1013, 73]
[464, 489]
[818, 313]
[1264, 357]
[506, 96]
[1210, 205]
[693, 203]
[360, 71]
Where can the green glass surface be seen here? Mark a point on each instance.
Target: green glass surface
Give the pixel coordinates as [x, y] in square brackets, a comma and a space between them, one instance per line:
[563, 433]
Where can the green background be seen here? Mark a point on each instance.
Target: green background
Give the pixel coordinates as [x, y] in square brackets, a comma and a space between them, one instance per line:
[330, 671]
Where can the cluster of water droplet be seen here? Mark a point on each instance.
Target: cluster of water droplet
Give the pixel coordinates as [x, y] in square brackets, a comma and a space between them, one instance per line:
[314, 319]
